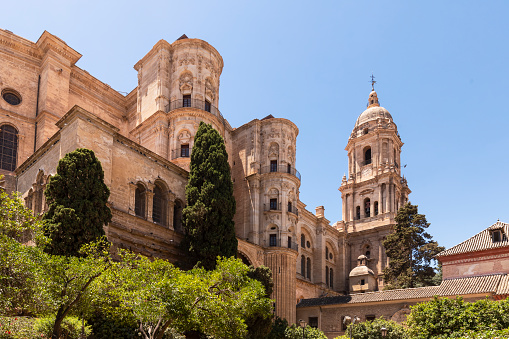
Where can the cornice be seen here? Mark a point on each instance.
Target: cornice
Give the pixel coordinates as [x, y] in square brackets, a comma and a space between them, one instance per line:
[23, 46]
[157, 47]
[48, 41]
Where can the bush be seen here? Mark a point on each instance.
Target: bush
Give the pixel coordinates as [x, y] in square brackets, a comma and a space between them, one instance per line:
[18, 327]
[372, 330]
[296, 332]
[454, 318]
[71, 327]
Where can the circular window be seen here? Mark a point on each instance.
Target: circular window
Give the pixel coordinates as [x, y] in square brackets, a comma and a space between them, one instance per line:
[308, 244]
[11, 96]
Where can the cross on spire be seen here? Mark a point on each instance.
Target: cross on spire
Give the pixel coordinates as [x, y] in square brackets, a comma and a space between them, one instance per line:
[373, 82]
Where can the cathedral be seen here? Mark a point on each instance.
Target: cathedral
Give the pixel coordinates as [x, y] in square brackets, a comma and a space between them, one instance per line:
[144, 139]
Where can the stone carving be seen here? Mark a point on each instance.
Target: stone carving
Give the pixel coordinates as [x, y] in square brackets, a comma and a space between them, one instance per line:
[184, 137]
[187, 60]
[186, 83]
[210, 90]
[274, 150]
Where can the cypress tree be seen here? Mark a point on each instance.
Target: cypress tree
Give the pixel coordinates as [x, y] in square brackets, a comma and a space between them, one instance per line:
[411, 251]
[208, 216]
[77, 197]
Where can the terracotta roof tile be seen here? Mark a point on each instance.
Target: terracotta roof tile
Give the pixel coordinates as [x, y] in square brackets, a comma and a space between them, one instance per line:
[503, 287]
[450, 287]
[480, 241]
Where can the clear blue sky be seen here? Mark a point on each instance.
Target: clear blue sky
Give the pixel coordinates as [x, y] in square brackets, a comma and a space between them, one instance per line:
[441, 66]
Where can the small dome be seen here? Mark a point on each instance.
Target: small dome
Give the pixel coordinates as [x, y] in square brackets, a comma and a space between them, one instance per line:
[362, 256]
[361, 270]
[373, 113]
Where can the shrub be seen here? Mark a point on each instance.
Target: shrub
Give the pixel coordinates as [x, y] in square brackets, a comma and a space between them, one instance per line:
[18, 327]
[372, 330]
[71, 327]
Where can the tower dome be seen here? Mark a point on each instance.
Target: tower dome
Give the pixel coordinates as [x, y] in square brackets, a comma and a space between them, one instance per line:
[373, 112]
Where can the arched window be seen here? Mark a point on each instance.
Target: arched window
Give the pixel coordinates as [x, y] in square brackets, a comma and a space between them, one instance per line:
[303, 266]
[367, 207]
[331, 279]
[177, 216]
[376, 207]
[326, 275]
[160, 205]
[8, 147]
[326, 253]
[139, 201]
[357, 212]
[367, 156]
[303, 241]
[308, 272]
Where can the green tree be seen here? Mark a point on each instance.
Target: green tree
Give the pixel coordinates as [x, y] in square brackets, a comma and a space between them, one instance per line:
[215, 303]
[259, 325]
[17, 272]
[373, 330]
[77, 198]
[411, 251]
[453, 318]
[208, 216]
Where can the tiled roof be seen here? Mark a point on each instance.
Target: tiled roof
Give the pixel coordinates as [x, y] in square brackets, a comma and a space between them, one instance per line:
[503, 286]
[480, 241]
[450, 287]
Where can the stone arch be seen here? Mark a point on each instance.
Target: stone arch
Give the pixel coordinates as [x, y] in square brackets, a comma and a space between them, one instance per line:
[306, 231]
[186, 82]
[332, 250]
[160, 203]
[140, 204]
[245, 258]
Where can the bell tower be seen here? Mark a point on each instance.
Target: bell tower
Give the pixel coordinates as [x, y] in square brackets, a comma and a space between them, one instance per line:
[374, 189]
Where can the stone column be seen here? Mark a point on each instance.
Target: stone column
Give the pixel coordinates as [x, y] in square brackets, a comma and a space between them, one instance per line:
[352, 208]
[169, 210]
[149, 200]
[371, 208]
[131, 198]
[343, 209]
[380, 202]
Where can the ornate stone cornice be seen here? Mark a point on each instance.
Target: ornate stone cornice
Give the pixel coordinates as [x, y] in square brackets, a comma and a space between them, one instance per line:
[48, 42]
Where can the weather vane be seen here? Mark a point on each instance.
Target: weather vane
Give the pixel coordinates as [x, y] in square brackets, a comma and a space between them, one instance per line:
[373, 82]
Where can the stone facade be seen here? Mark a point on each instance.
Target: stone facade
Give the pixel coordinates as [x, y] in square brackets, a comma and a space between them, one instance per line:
[144, 139]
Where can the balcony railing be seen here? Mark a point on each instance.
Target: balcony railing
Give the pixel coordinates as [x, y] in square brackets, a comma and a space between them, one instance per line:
[366, 162]
[280, 169]
[272, 207]
[278, 243]
[195, 103]
[293, 209]
[181, 153]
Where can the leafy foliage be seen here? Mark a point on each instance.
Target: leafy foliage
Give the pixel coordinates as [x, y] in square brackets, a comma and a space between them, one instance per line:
[208, 217]
[411, 251]
[216, 303]
[297, 332]
[71, 327]
[372, 330]
[77, 198]
[454, 318]
[278, 328]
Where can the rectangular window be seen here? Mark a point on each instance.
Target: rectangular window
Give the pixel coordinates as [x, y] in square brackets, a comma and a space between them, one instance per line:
[273, 165]
[313, 322]
[289, 169]
[289, 206]
[207, 106]
[289, 242]
[496, 236]
[184, 151]
[273, 204]
[186, 102]
[273, 240]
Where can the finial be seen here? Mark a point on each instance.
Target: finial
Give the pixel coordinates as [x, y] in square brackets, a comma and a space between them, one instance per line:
[373, 82]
